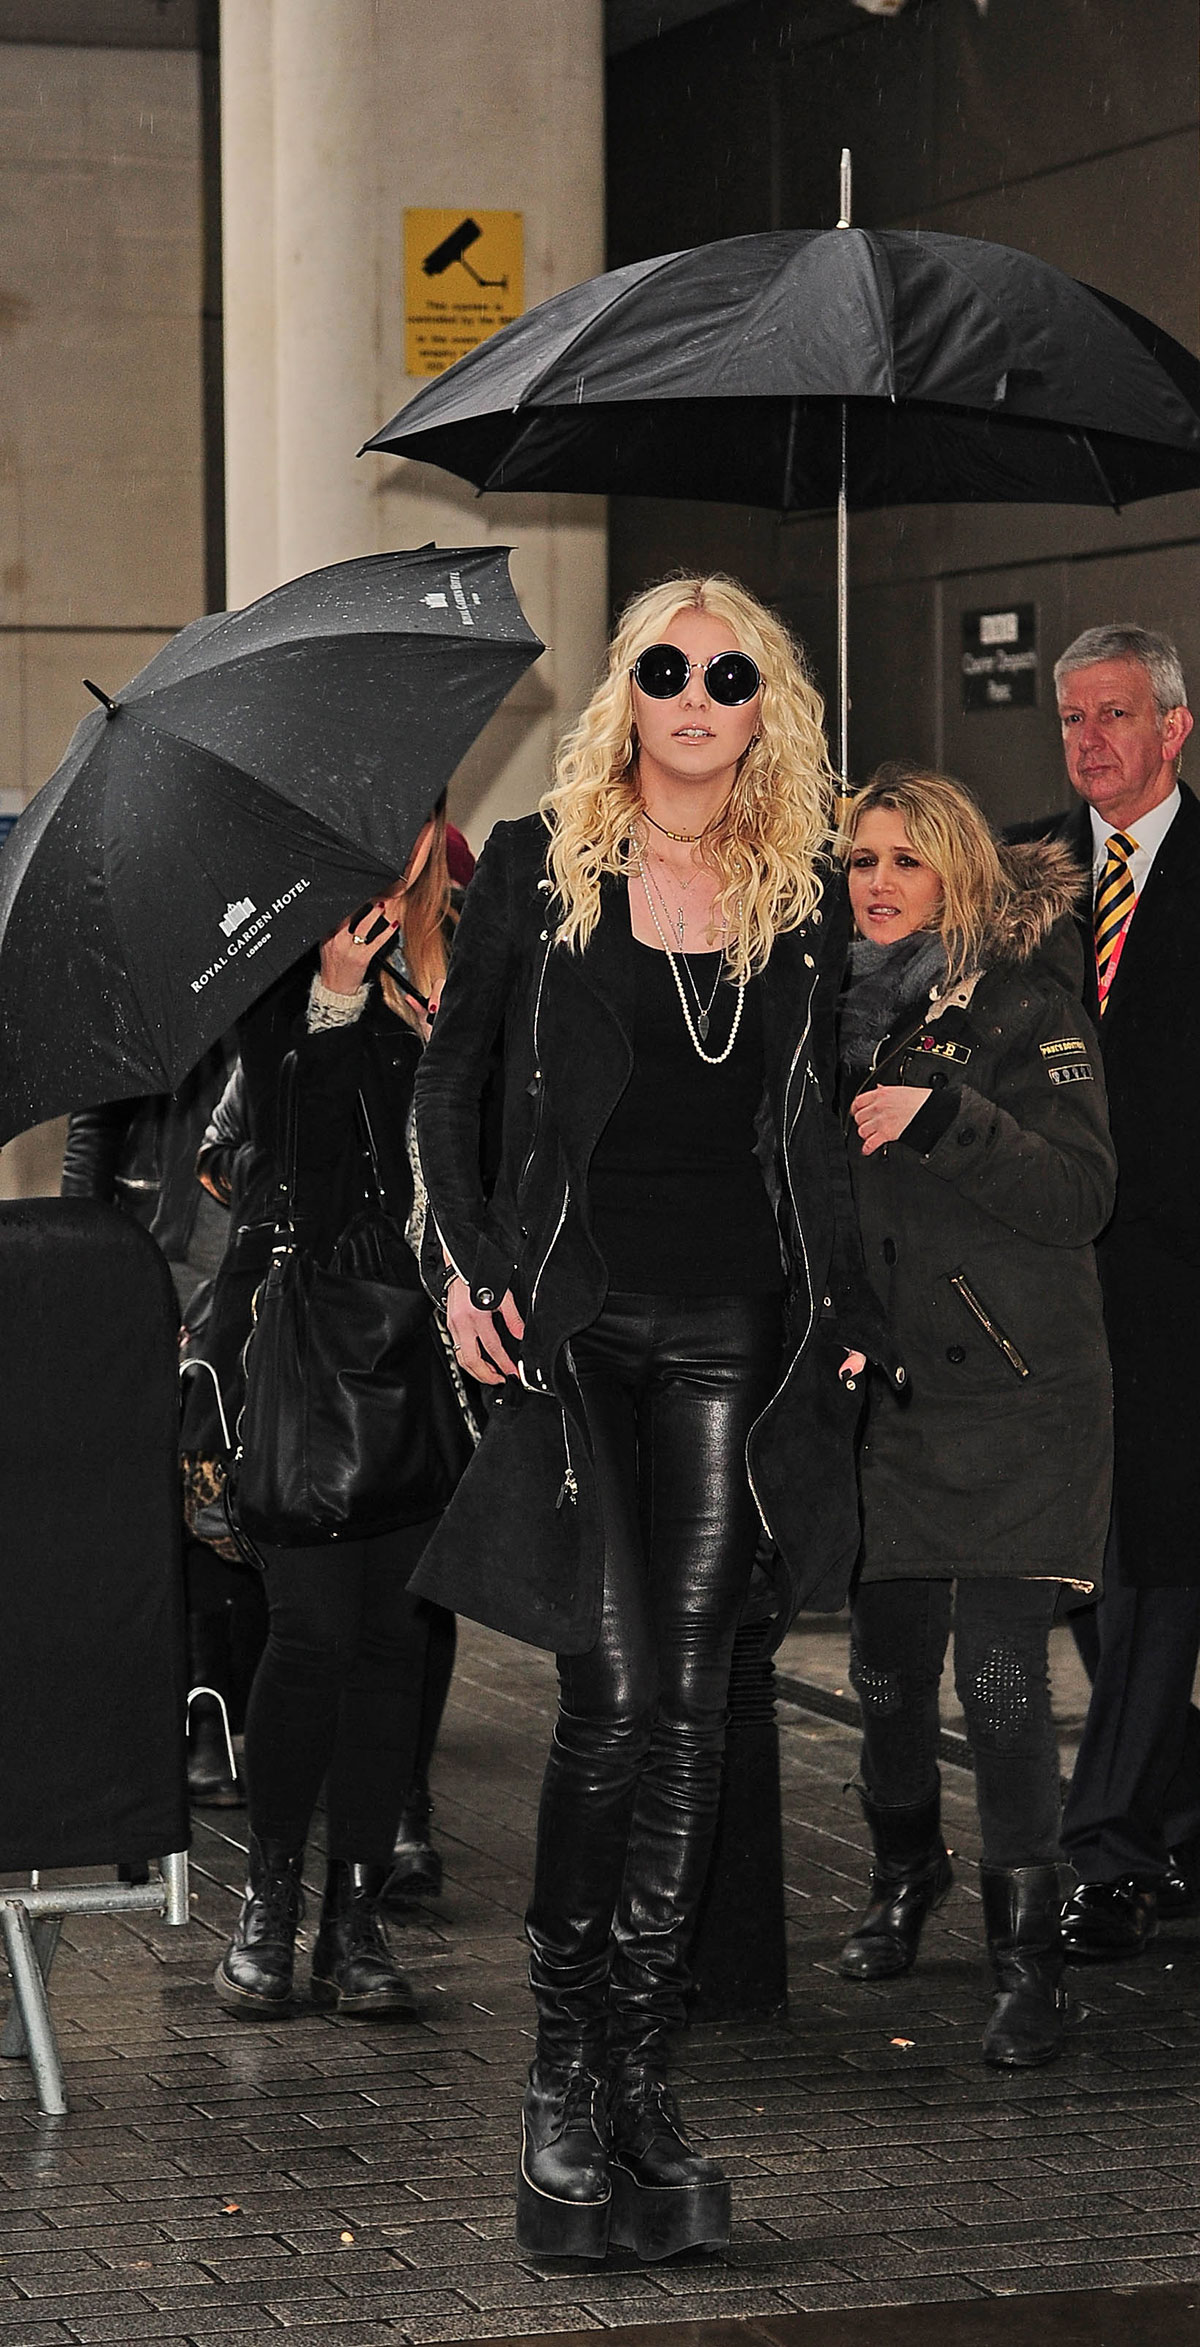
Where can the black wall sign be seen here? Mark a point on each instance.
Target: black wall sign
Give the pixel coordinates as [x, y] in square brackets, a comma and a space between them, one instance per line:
[999, 658]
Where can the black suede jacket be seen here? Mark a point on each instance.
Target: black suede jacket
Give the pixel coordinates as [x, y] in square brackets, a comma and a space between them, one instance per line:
[520, 1545]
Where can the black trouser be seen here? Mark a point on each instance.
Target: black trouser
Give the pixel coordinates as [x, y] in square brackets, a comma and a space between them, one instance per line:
[337, 1696]
[227, 1624]
[671, 1386]
[1135, 1791]
[899, 1631]
[435, 1632]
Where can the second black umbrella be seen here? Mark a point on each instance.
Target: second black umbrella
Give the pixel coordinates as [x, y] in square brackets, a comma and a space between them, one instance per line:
[266, 772]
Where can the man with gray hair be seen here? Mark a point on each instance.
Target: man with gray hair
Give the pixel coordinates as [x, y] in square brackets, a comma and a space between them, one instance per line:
[1131, 1826]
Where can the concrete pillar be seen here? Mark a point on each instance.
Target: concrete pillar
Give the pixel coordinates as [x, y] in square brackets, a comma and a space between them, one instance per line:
[248, 265]
[337, 116]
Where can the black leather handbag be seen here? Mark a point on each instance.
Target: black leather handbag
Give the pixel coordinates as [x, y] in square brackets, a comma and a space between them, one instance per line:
[350, 1425]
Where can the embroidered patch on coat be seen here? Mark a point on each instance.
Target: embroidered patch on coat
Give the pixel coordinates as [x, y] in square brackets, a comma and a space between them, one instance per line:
[958, 1052]
[1062, 1047]
[1076, 1074]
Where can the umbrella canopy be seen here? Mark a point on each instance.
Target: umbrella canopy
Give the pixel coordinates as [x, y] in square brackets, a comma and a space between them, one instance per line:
[968, 371]
[266, 772]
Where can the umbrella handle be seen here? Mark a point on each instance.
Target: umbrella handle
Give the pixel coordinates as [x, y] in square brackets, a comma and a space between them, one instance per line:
[843, 618]
[845, 213]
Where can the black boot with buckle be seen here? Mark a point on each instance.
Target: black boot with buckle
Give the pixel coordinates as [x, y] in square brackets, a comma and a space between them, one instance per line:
[353, 1968]
[1021, 1915]
[910, 1876]
[254, 1976]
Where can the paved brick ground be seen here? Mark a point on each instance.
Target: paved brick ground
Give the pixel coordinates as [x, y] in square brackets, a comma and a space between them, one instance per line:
[217, 2183]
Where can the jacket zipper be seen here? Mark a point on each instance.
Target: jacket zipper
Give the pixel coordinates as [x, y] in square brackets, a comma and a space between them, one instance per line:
[533, 1144]
[456, 1268]
[962, 1287]
[550, 1249]
[812, 1302]
[570, 1488]
[537, 1012]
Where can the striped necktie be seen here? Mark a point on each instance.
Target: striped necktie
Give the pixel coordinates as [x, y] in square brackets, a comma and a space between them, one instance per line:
[1115, 899]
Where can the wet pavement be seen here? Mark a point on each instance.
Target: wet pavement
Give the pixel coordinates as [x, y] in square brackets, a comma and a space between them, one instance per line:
[219, 2182]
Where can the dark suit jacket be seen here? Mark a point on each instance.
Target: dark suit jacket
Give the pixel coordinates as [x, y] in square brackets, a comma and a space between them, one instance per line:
[1149, 1256]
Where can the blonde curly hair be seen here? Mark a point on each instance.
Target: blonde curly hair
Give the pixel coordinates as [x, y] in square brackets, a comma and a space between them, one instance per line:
[766, 843]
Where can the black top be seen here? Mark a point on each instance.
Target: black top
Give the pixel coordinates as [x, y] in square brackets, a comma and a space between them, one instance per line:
[678, 1202]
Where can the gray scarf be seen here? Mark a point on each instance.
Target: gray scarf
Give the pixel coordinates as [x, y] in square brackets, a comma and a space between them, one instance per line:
[885, 984]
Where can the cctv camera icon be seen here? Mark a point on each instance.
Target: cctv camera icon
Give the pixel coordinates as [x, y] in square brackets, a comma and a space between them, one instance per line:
[454, 248]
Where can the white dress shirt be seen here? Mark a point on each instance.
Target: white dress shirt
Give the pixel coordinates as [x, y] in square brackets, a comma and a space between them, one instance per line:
[1149, 831]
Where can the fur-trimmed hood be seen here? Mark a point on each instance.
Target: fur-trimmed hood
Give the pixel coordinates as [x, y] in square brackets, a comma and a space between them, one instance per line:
[1048, 885]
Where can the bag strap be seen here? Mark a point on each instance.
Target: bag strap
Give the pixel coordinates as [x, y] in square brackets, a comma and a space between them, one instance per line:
[368, 1138]
[185, 1367]
[286, 1116]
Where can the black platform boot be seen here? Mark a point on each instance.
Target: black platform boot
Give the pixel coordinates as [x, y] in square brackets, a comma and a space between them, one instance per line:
[564, 2196]
[212, 1784]
[254, 1976]
[666, 2196]
[1021, 1910]
[910, 1876]
[353, 1968]
[416, 1865]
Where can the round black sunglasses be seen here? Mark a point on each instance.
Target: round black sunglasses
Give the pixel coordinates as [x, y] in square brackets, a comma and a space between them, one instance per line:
[662, 671]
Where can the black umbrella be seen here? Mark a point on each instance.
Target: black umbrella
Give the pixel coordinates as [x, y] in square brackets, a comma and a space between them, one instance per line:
[265, 773]
[882, 367]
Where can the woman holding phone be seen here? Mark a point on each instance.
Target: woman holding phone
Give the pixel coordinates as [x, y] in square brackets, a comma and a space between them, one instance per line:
[337, 1696]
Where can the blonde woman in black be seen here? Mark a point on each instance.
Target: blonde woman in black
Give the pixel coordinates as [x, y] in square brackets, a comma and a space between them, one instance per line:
[661, 1290]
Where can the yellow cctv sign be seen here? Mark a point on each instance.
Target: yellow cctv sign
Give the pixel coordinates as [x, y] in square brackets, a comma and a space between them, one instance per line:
[464, 275]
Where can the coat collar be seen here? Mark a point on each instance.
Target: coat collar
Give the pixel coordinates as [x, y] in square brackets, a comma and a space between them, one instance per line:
[788, 982]
[606, 965]
[586, 1023]
[1172, 875]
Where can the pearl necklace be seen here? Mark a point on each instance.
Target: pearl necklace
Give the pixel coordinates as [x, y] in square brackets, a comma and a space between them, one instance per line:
[711, 1059]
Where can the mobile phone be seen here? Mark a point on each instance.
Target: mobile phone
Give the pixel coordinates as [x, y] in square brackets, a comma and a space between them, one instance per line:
[380, 927]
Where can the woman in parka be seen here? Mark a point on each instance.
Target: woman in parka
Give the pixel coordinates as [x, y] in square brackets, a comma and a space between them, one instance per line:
[662, 1288]
[983, 1170]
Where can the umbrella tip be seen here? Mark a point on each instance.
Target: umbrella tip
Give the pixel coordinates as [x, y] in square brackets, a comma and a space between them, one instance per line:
[101, 696]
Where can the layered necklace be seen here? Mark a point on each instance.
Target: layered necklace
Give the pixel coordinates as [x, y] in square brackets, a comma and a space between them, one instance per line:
[698, 1025]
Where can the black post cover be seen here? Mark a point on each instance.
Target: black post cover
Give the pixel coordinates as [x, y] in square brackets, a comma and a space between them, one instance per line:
[739, 1962]
[92, 1658]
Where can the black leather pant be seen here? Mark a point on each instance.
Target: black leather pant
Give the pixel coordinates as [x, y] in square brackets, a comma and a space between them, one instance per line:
[672, 1386]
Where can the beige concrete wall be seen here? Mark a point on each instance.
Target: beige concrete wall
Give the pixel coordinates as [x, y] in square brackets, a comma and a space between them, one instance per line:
[336, 117]
[101, 489]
